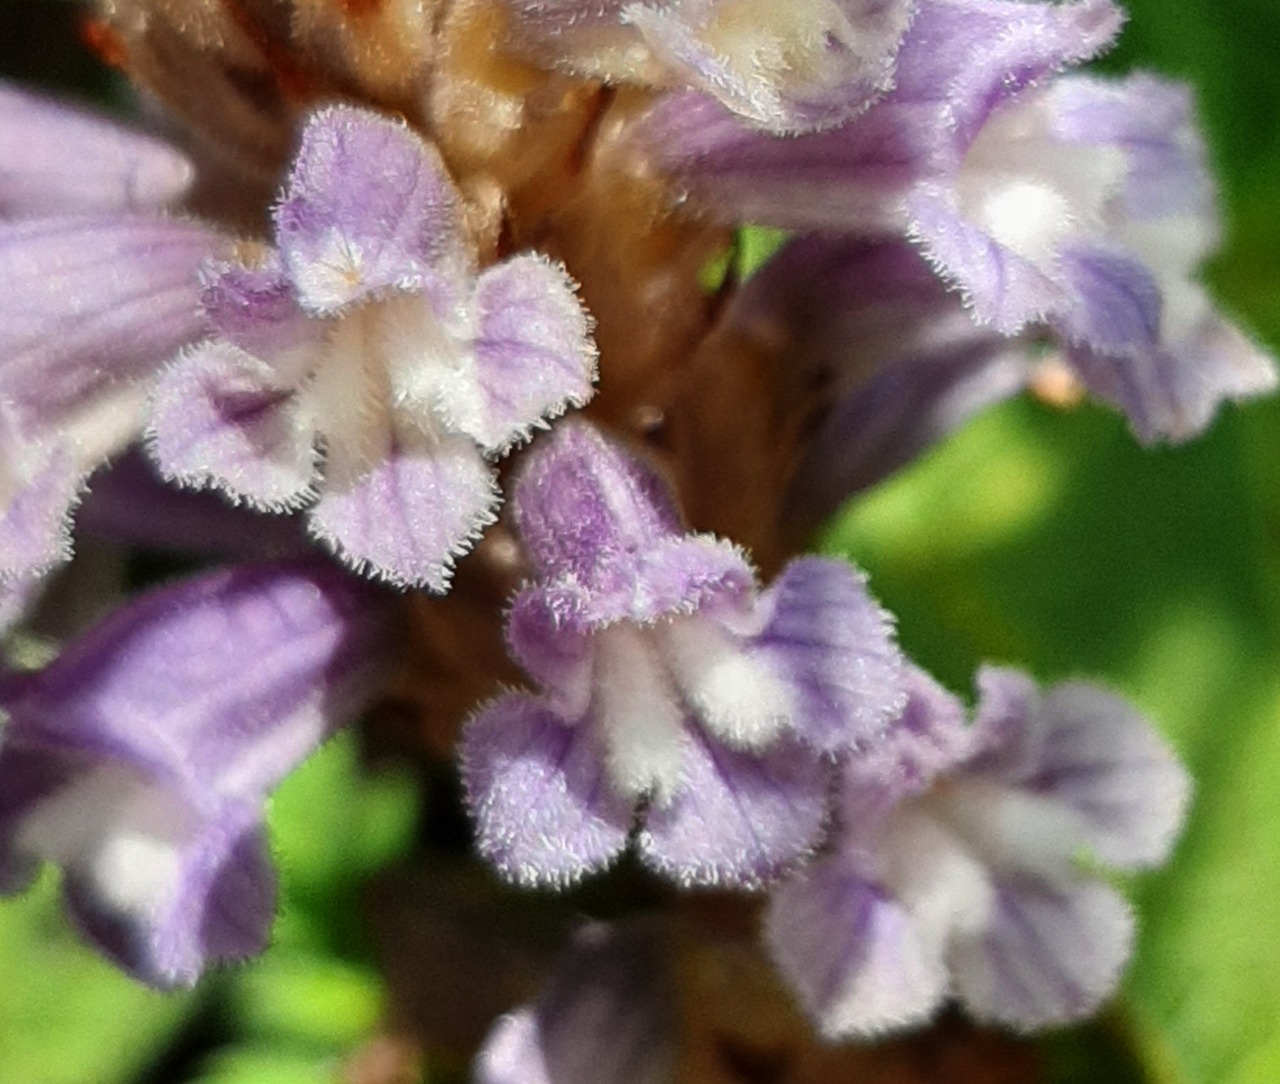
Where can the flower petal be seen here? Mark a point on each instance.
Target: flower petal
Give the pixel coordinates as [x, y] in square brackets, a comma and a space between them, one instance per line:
[219, 684]
[62, 160]
[545, 813]
[221, 419]
[93, 307]
[404, 519]
[1049, 953]
[367, 207]
[534, 356]
[856, 956]
[834, 646]
[737, 819]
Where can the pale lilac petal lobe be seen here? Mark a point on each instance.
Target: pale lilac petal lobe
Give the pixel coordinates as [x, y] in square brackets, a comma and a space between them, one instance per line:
[1115, 303]
[857, 957]
[739, 818]
[1049, 954]
[584, 507]
[56, 159]
[94, 305]
[1006, 291]
[544, 811]
[1172, 392]
[367, 207]
[836, 646]
[406, 518]
[1104, 759]
[221, 419]
[534, 356]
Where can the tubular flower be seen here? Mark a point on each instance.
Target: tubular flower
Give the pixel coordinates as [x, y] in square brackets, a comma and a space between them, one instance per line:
[140, 760]
[956, 868]
[370, 334]
[669, 682]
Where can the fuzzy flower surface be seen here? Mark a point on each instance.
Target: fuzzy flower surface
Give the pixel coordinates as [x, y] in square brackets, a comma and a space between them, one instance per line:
[139, 761]
[366, 369]
[671, 684]
[1071, 204]
[956, 871]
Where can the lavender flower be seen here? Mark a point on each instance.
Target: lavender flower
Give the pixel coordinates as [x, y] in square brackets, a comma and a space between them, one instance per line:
[1077, 203]
[955, 871]
[140, 759]
[99, 290]
[370, 334]
[800, 66]
[668, 682]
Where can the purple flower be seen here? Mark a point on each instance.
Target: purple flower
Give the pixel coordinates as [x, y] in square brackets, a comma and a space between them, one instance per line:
[956, 870]
[670, 684]
[604, 1017]
[140, 759]
[1078, 204]
[97, 295]
[369, 336]
[799, 66]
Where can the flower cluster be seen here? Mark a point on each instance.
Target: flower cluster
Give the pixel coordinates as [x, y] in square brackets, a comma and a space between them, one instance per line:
[332, 323]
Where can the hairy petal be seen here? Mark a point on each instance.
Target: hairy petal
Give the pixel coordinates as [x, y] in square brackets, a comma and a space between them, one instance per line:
[545, 813]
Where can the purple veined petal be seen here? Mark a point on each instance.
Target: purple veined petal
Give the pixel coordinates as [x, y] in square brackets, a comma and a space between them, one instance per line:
[1004, 289]
[127, 501]
[17, 596]
[218, 685]
[850, 178]
[1173, 391]
[221, 419]
[584, 507]
[1009, 46]
[534, 356]
[929, 739]
[1092, 751]
[1151, 121]
[405, 518]
[255, 309]
[545, 812]
[858, 959]
[1112, 301]
[737, 819]
[93, 307]
[1048, 953]
[834, 645]
[809, 65]
[216, 902]
[62, 160]
[39, 487]
[548, 632]
[368, 206]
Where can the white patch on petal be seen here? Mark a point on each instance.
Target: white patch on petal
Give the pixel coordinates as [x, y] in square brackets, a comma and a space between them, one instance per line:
[334, 275]
[120, 832]
[739, 698]
[1029, 191]
[639, 714]
[1011, 828]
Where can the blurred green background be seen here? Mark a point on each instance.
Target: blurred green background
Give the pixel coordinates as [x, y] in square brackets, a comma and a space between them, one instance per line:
[1036, 537]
